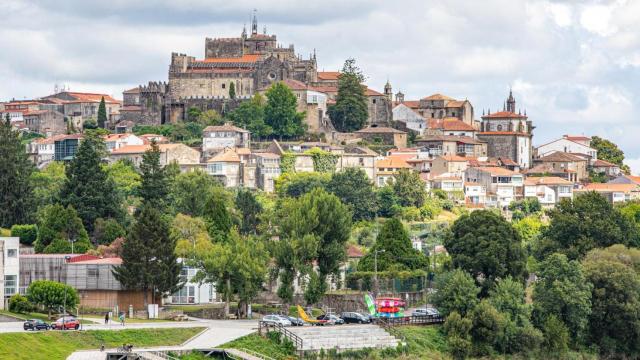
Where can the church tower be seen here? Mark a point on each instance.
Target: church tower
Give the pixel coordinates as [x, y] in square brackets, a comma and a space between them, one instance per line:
[387, 91]
[511, 103]
[254, 24]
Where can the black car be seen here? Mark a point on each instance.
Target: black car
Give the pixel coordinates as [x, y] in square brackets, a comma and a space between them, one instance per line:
[295, 321]
[354, 318]
[35, 324]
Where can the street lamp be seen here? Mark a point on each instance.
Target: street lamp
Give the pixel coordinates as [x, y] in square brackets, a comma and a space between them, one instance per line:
[375, 272]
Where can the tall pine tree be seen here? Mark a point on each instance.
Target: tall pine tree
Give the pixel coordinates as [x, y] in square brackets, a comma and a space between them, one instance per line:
[102, 114]
[88, 188]
[281, 112]
[350, 111]
[16, 190]
[149, 263]
[154, 187]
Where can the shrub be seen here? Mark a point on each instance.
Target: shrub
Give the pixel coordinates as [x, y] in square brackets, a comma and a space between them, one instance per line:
[20, 304]
[27, 233]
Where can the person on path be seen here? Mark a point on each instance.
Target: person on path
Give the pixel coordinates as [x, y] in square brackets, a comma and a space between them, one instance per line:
[106, 318]
[122, 318]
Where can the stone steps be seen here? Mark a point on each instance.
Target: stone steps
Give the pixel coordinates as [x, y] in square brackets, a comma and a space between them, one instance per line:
[343, 337]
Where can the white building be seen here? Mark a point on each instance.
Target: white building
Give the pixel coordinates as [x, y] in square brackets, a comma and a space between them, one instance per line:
[568, 144]
[116, 141]
[502, 185]
[549, 190]
[192, 292]
[224, 136]
[10, 267]
[410, 117]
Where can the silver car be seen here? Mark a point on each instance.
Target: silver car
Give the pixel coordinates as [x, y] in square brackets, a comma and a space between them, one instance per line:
[427, 311]
[274, 320]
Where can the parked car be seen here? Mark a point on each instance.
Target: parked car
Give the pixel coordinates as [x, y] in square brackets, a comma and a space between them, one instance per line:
[426, 311]
[66, 323]
[331, 319]
[354, 318]
[35, 324]
[273, 320]
[295, 321]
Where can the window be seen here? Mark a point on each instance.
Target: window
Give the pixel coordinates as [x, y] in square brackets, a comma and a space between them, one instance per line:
[224, 86]
[10, 284]
[499, 127]
[373, 101]
[11, 253]
[92, 272]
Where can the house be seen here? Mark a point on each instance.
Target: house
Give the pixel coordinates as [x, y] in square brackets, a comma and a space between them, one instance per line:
[159, 139]
[549, 190]
[79, 106]
[438, 145]
[475, 195]
[116, 141]
[604, 167]
[450, 126]
[438, 106]
[449, 164]
[453, 184]
[16, 109]
[267, 170]
[181, 154]
[313, 102]
[45, 122]
[226, 167]
[568, 144]
[42, 150]
[387, 168]
[66, 146]
[10, 267]
[419, 158]
[614, 192]
[131, 109]
[502, 186]
[384, 135]
[408, 116]
[360, 157]
[626, 179]
[191, 292]
[215, 138]
[575, 166]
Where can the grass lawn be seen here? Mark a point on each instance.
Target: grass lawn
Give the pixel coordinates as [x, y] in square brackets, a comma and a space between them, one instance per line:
[264, 346]
[60, 344]
[34, 315]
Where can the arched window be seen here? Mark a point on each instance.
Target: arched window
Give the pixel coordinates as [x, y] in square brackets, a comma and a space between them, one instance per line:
[499, 127]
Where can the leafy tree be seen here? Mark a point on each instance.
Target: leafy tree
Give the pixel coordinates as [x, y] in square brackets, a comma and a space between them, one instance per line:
[107, 230]
[388, 202]
[190, 191]
[148, 259]
[350, 111]
[27, 233]
[562, 291]
[154, 185]
[395, 250]
[232, 90]
[20, 304]
[47, 184]
[508, 297]
[88, 188]
[526, 207]
[486, 246]
[250, 115]
[16, 188]
[124, 176]
[210, 118]
[250, 209]
[298, 184]
[90, 124]
[107, 251]
[354, 188]
[458, 330]
[608, 151]
[58, 227]
[102, 114]
[487, 327]
[193, 113]
[190, 236]
[529, 228]
[457, 292]
[614, 324]
[52, 295]
[556, 337]
[587, 222]
[409, 188]
[281, 112]
[217, 214]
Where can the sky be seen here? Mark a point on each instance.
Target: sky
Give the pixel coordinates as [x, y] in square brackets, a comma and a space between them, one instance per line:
[574, 65]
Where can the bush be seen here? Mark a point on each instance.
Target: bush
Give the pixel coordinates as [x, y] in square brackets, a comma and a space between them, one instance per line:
[20, 304]
[27, 233]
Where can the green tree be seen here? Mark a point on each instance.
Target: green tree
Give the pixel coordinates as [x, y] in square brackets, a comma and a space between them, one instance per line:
[105, 231]
[556, 337]
[350, 111]
[458, 330]
[90, 124]
[608, 151]
[354, 188]
[298, 184]
[587, 222]
[193, 113]
[614, 324]
[102, 114]
[190, 236]
[190, 191]
[124, 176]
[58, 227]
[27, 233]
[409, 188]
[487, 328]
[250, 115]
[281, 112]
[52, 295]
[457, 292]
[250, 209]
[88, 187]
[20, 304]
[508, 297]
[232, 90]
[486, 246]
[388, 202]
[530, 228]
[47, 184]
[395, 251]
[217, 214]
[149, 262]
[210, 118]
[562, 291]
[154, 185]
[16, 202]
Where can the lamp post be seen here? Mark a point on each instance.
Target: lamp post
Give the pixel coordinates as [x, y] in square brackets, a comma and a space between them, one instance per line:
[375, 272]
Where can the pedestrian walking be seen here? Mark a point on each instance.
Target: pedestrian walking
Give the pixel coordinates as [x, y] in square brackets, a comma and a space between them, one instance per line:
[122, 318]
[106, 319]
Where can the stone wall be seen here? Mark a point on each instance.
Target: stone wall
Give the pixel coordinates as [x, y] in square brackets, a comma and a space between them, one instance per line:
[500, 145]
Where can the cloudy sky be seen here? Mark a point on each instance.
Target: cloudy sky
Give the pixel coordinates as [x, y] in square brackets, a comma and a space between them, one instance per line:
[574, 65]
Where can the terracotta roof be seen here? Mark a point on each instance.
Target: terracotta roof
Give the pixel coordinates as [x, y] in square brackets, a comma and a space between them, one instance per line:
[114, 137]
[438, 97]
[71, 136]
[379, 130]
[243, 151]
[455, 158]
[392, 162]
[504, 115]
[103, 261]
[243, 59]
[93, 97]
[460, 139]
[225, 127]
[414, 104]
[294, 84]
[635, 179]
[626, 188]
[403, 157]
[559, 156]
[503, 133]
[328, 75]
[449, 124]
[267, 155]
[226, 155]
[576, 137]
[371, 92]
[354, 252]
[494, 170]
[507, 161]
[135, 90]
[49, 140]
[602, 163]
[546, 180]
[447, 176]
[35, 112]
[139, 149]
[455, 103]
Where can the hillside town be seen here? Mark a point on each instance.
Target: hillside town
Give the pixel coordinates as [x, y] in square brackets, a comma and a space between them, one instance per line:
[250, 192]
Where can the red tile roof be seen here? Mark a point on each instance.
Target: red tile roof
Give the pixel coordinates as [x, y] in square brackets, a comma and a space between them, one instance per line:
[328, 75]
[225, 127]
[134, 90]
[449, 124]
[503, 133]
[354, 252]
[560, 156]
[456, 158]
[393, 162]
[546, 180]
[602, 163]
[577, 137]
[497, 170]
[438, 97]
[504, 115]
[243, 59]
[103, 261]
[93, 97]
[626, 188]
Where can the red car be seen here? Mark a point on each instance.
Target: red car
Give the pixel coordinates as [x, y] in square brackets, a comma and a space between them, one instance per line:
[66, 323]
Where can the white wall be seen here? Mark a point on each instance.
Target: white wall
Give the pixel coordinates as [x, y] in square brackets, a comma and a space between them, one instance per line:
[564, 145]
